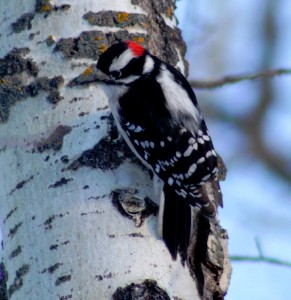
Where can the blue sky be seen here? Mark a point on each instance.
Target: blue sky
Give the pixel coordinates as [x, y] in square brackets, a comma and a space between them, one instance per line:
[226, 38]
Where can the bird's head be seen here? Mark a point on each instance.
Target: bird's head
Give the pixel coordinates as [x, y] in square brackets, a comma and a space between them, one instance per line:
[125, 62]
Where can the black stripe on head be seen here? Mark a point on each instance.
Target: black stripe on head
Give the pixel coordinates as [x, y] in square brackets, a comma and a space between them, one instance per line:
[107, 57]
[134, 67]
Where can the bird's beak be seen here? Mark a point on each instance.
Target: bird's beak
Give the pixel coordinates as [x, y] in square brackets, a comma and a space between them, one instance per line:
[90, 75]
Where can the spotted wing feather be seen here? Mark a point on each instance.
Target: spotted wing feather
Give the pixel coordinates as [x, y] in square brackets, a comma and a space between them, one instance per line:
[184, 159]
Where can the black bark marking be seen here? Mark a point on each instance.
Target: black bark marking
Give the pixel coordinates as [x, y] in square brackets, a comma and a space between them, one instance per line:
[9, 215]
[52, 268]
[18, 280]
[63, 279]
[55, 140]
[99, 197]
[82, 114]
[46, 84]
[13, 230]
[148, 290]
[33, 34]
[95, 212]
[135, 235]
[104, 155]
[65, 159]
[15, 253]
[108, 154]
[56, 246]
[49, 222]
[106, 276]
[21, 184]
[63, 7]
[60, 182]
[45, 7]
[66, 297]
[54, 97]
[22, 23]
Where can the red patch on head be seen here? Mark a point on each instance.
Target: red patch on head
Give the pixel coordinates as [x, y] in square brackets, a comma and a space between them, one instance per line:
[136, 48]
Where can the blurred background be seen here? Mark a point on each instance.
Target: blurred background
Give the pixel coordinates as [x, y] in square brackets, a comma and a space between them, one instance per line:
[250, 123]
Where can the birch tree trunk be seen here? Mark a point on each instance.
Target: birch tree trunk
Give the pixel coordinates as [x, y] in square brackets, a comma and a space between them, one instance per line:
[77, 219]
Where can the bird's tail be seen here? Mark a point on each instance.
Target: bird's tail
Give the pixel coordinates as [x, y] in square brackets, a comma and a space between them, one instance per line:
[175, 216]
[176, 223]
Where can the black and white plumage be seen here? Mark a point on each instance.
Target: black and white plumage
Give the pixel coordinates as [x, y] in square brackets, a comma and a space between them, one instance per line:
[157, 113]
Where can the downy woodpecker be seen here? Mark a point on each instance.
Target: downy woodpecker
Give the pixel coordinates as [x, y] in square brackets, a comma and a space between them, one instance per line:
[157, 114]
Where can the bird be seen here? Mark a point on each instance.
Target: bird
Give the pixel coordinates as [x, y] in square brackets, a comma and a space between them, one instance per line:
[157, 114]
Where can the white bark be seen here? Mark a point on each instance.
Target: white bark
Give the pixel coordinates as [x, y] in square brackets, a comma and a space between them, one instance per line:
[67, 240]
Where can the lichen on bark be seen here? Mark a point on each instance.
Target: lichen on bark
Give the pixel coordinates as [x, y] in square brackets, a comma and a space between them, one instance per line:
[90, 44]
[119, 19]
[13, 87]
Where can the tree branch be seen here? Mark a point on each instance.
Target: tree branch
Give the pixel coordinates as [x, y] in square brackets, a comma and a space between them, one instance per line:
[261, 257]
[266, 259]
[211, 84]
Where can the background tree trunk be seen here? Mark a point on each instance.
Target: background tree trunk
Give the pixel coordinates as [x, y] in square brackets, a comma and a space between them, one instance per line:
[71, 228]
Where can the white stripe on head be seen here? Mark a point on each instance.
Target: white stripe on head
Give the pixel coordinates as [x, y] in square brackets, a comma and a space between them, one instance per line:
[148, 65]
[121, 61]
[128, 79]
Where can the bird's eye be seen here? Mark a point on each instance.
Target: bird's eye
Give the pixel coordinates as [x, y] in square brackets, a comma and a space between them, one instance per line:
[115, 74]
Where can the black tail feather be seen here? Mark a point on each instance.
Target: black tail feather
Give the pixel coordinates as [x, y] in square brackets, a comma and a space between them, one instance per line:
[176, 223]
